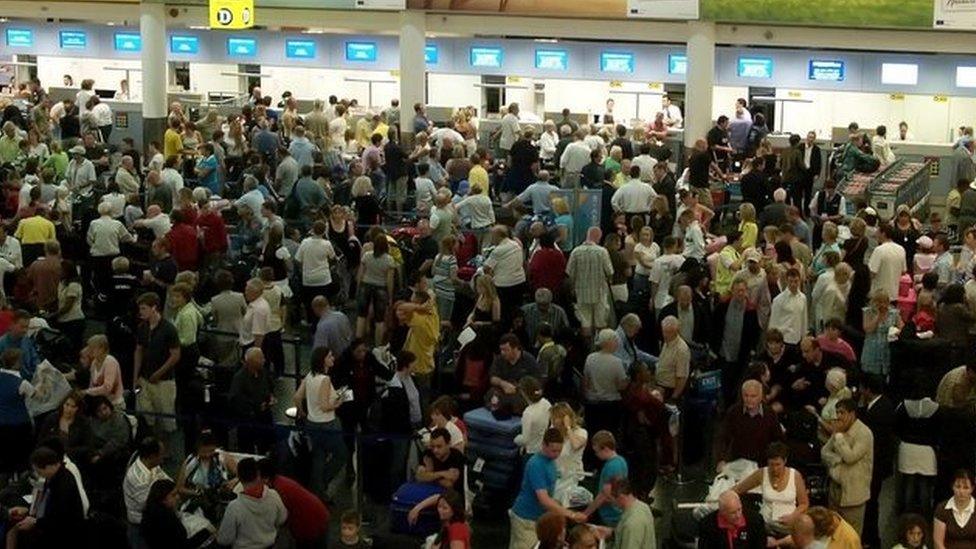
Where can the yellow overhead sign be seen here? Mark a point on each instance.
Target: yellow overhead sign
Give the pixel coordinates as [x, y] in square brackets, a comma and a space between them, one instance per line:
[231, 14]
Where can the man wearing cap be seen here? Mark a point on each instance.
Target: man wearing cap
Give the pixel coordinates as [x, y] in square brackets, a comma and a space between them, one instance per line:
[80, 175]
[604, 378]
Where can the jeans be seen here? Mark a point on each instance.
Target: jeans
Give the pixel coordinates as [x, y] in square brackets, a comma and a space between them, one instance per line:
[328, 453]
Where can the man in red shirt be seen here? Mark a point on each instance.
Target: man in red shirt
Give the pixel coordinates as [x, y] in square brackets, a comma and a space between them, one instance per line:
[183, 242]
[308, 517]
[214, 232]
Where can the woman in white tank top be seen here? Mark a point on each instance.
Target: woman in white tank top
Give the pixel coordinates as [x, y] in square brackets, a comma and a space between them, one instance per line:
[317, 402]
[784, 494]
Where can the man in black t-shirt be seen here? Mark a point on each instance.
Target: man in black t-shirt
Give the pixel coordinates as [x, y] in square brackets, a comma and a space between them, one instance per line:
[441, 464]
[157, 354]
[700, 168]
[718, 142]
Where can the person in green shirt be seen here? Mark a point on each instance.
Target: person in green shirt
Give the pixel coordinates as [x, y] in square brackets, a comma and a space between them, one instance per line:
[636, 527]
[9, 143]
[188, 322]
[57, 161]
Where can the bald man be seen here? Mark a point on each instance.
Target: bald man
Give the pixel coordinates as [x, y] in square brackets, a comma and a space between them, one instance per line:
[251, 399]
[803, 535]
[731, 522]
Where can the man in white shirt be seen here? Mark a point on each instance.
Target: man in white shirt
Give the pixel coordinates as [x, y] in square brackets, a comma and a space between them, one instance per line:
[10, 248]
[440, 134]
[80, 175]
[694, 237]
[548, 141]
[672, 114]
[105, 234]
[887, 263]
[645, 162]
[313, 255]
[144, 471]
[662, 269]
[126, 177]
[171, 177]
[593, 139]
[257, 316]
[509, 130]
[155, 220]
[574, 158]
[789, 310]
[505, 264]
[634, 196]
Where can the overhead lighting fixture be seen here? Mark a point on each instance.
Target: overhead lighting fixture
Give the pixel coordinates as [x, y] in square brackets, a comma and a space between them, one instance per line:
[198, 27]
[547, 40]
[313, 31]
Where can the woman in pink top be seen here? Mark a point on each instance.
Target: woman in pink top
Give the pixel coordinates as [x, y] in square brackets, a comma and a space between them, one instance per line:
[106, 378]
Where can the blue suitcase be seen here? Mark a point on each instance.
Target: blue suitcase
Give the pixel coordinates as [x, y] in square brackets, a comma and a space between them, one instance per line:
[489, 451]
[403, 501]
[484, 427]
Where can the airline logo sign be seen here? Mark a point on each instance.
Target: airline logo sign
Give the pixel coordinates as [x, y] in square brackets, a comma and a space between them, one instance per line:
[231, 14]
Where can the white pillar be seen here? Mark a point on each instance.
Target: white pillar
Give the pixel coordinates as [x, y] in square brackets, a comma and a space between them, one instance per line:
[699, 81]
[152, 27]
[413, 79]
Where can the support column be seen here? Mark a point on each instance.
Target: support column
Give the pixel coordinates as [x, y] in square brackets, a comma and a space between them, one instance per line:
[413, 78]
[699, 81]
[152, 27]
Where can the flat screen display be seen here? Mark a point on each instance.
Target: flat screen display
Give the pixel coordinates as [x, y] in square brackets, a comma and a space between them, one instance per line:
[73, 40]
[300, 49]
[127, 41]
[242, 47]
[552, 60]
[21, 38]
[616, 62]
[431, 54]
[902, 74]
[677, 63]
[361, 52]
[185, 45]
[966, 77]
[826, 70]
[755, 67]
[486, 57]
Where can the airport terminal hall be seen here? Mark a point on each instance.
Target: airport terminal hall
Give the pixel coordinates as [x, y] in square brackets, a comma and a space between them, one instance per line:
[479, 274]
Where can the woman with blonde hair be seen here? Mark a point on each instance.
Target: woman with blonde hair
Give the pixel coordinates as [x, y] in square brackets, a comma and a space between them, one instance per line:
[368, 209]
[569, 464]
[487, 307]
[748, 226]
[564, 223]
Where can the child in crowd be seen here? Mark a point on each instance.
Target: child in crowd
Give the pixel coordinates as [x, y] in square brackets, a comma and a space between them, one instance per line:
[924, 318]
[349, 537]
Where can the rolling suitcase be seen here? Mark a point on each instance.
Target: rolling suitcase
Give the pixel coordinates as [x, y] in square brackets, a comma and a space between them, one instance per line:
[404, 499]
[483, 428]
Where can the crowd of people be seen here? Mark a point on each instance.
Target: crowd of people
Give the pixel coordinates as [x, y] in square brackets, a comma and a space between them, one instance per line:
[149, 297]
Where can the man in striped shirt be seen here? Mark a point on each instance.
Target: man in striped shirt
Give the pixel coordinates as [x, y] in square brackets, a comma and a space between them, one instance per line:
[589, 269]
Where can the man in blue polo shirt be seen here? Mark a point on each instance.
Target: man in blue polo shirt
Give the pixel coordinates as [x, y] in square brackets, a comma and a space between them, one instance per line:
[614, 468]
[535, 496]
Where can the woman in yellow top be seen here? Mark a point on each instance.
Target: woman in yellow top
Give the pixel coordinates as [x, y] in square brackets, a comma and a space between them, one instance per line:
[425, 330]
[747, 225]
